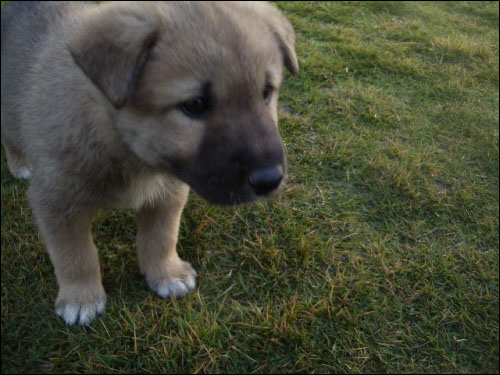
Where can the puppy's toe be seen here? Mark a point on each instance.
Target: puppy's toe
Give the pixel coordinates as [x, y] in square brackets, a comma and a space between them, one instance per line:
[80, 314]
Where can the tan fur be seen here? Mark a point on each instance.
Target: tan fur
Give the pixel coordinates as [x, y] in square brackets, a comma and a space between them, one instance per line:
[94, 113]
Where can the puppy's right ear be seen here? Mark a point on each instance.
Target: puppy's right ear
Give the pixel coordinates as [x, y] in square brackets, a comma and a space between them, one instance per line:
[285, 35]
[112, 46]
[281, 28]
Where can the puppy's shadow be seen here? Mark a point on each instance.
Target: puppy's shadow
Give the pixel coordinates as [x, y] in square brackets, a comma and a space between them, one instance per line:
[114, 233]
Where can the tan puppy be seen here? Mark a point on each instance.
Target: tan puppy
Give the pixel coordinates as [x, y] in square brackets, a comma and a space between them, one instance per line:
[130, 104]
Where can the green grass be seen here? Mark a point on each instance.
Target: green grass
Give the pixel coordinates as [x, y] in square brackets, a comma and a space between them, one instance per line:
[381, 255]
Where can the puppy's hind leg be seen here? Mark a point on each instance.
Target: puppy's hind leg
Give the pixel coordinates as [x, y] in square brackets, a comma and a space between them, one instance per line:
[69, 243]
[157, 231]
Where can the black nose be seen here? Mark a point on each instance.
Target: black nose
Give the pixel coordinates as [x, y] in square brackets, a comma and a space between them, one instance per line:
[265, 180]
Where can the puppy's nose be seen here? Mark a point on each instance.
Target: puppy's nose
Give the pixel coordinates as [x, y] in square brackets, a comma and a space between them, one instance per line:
[265, 180]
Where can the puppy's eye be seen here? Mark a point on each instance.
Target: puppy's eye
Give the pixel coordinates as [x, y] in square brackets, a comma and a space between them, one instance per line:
[195, 107]
[267, 93]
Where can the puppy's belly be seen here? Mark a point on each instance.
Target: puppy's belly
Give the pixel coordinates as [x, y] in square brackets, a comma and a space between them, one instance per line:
[145, 190]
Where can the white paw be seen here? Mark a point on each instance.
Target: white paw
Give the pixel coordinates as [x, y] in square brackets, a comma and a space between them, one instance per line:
[175, 287]
[176, 279]
[80, 314]
[23, 173]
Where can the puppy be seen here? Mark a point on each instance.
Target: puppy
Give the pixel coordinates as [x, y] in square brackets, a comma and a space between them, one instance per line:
[130, 105]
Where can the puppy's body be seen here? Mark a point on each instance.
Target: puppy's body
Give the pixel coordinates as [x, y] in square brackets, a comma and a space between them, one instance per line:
[55, 122]
[98, 111]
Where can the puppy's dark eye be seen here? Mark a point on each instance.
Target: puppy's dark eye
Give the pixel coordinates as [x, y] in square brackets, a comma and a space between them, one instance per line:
[267, 93]
[195, 107]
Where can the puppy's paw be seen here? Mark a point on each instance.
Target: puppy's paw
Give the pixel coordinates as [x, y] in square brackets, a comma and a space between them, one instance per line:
[175, 287]
[80, 305]
[177, 279]
[23, 173]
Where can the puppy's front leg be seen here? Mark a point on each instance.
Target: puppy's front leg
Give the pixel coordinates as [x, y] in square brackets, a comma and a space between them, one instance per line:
[69, 242]
[157, 231]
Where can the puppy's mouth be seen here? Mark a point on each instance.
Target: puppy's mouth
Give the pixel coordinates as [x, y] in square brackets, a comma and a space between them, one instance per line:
[260, 185]
[232, 186]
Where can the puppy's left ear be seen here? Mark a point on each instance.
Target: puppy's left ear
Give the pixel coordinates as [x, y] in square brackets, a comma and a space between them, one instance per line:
[283, 32]
[112, 46]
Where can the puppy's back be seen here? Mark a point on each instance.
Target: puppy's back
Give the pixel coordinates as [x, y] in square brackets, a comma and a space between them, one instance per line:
[26, 26]
[23, 30]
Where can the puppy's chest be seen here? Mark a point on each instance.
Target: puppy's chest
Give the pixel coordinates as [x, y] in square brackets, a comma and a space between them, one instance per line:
[144, 190]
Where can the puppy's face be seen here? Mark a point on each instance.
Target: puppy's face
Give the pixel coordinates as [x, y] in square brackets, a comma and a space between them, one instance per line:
[204, 105]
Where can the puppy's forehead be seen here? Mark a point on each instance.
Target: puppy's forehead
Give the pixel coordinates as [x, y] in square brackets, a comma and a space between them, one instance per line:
[208, 39]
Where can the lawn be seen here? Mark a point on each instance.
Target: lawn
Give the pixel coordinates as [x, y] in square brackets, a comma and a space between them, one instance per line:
[380, 256]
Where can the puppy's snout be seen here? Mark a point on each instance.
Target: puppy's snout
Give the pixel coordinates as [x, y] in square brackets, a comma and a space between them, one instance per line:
[264, 180]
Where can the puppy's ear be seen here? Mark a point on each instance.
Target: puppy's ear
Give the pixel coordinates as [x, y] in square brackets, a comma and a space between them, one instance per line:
[112, 46]
[283, 32]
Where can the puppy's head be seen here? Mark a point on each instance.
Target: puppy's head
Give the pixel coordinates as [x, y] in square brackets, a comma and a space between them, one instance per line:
[196, 89]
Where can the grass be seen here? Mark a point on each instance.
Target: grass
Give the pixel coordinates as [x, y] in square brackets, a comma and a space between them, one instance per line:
[381, 255]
